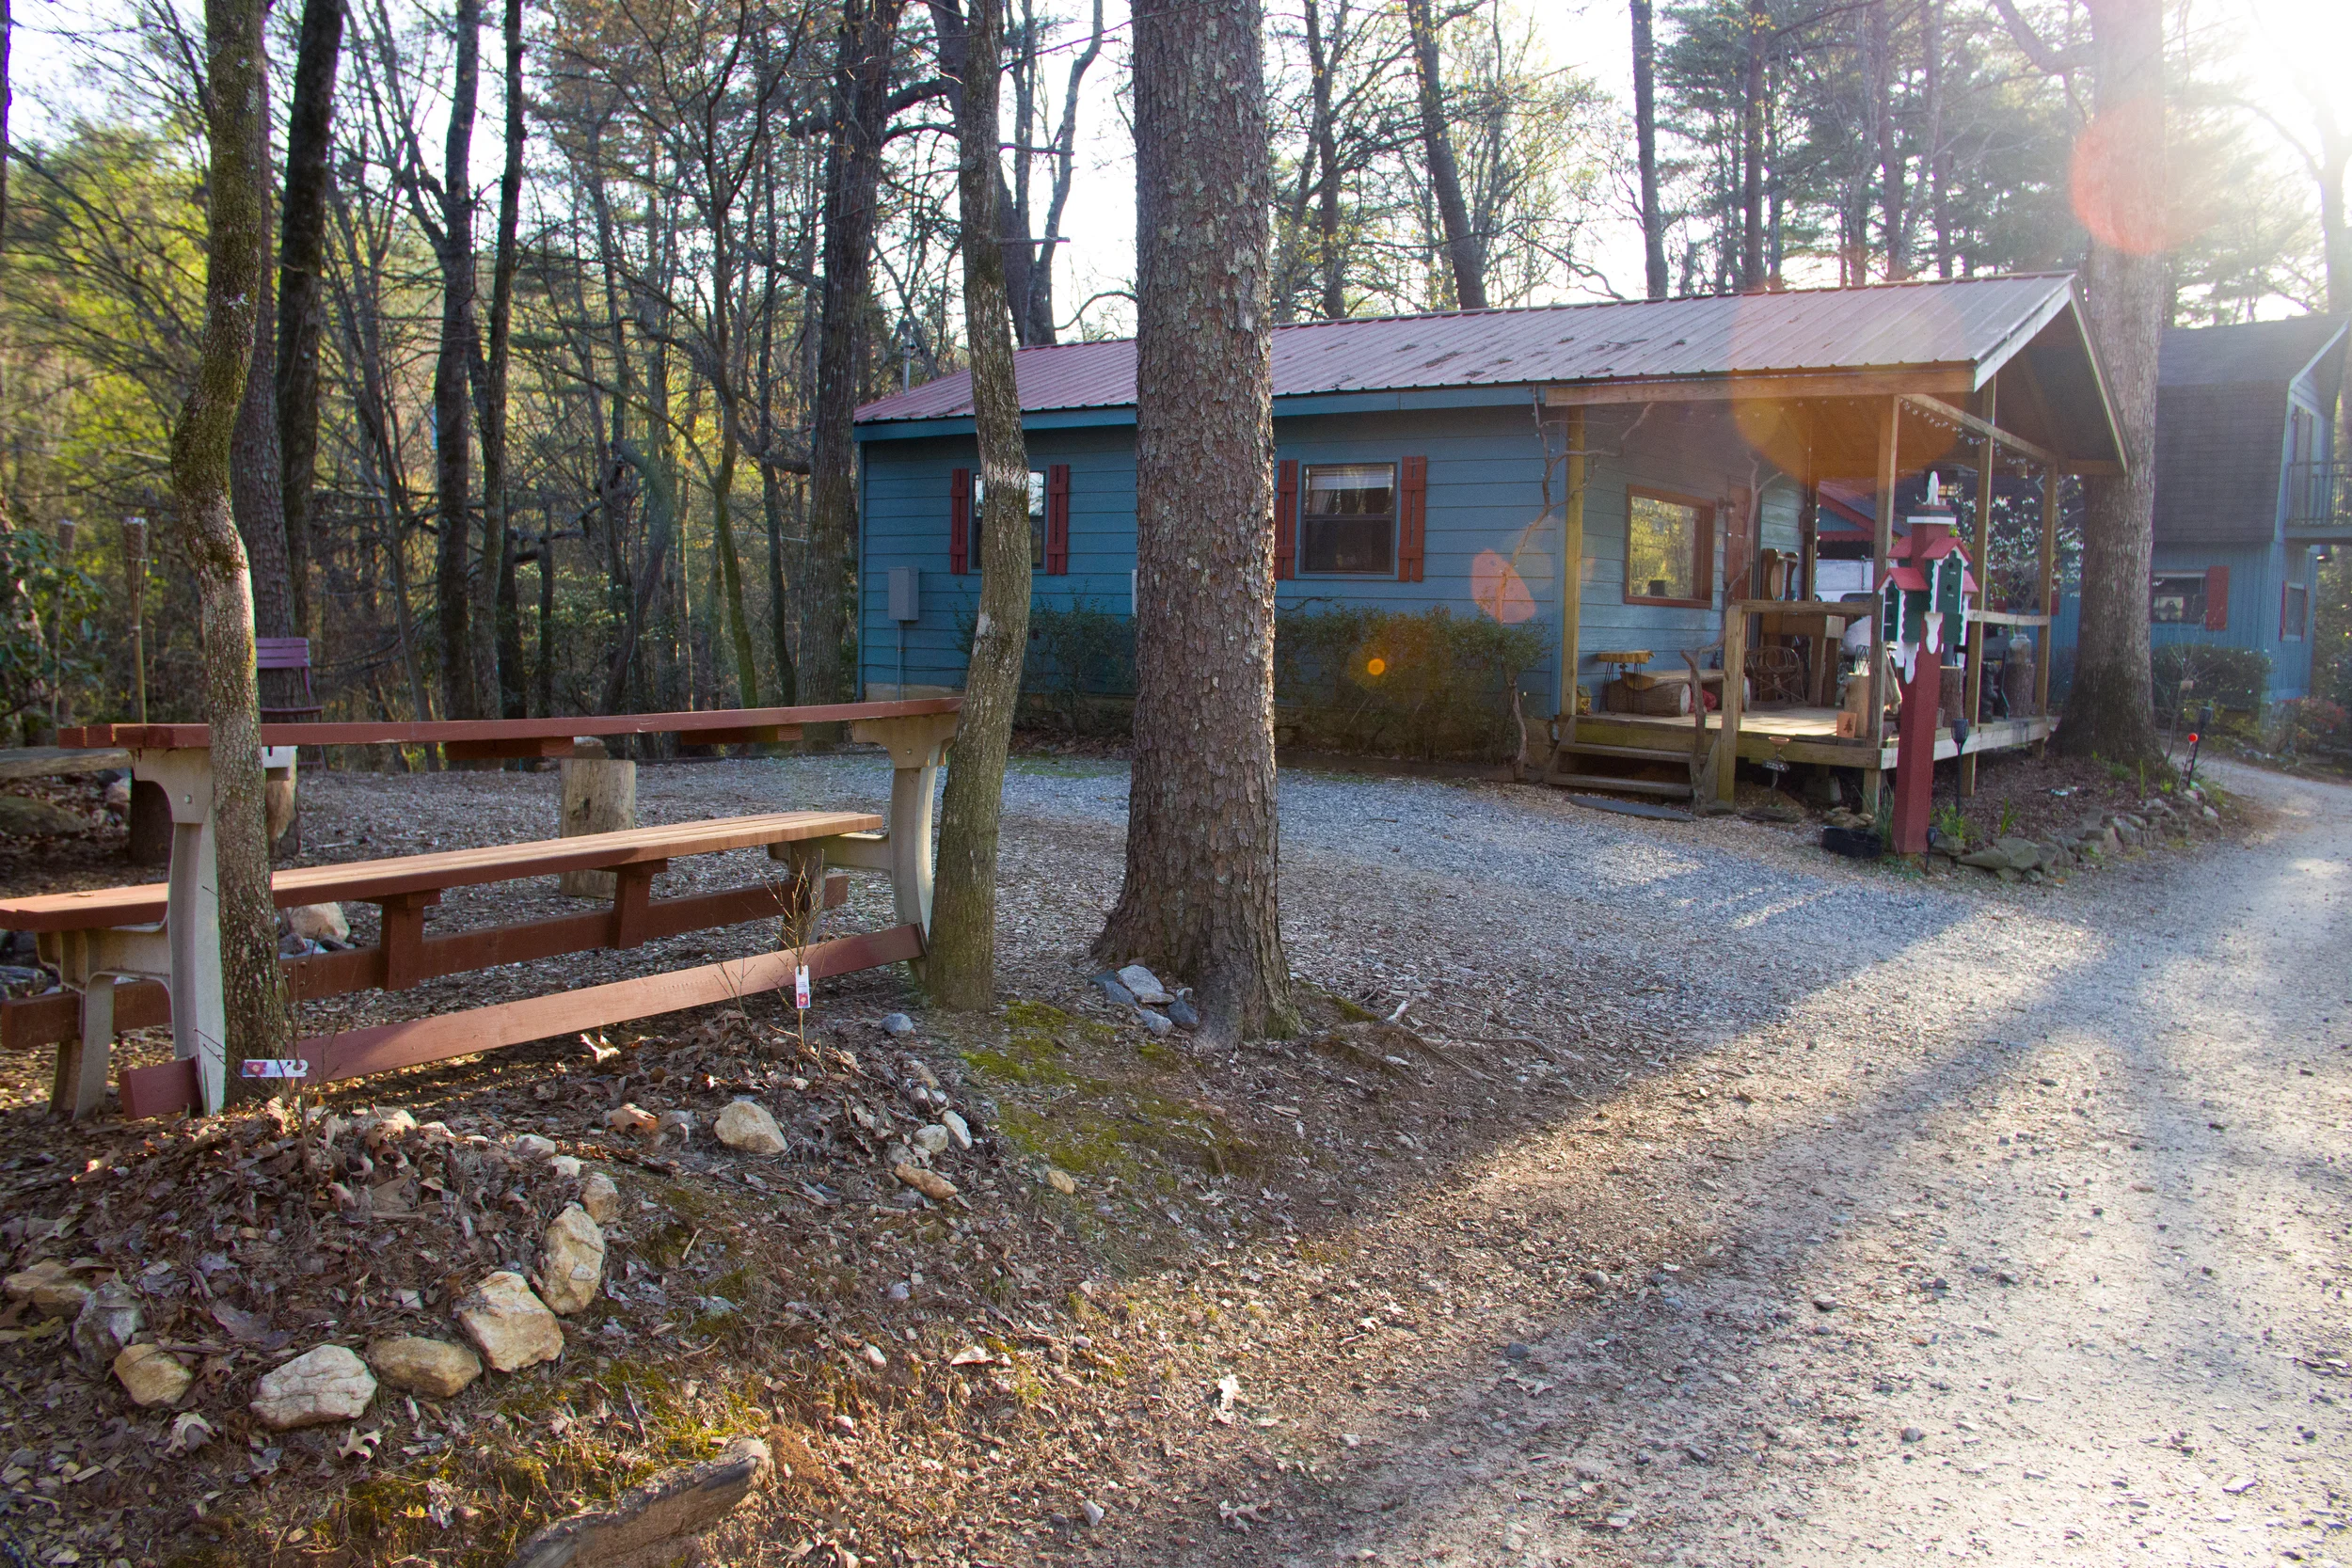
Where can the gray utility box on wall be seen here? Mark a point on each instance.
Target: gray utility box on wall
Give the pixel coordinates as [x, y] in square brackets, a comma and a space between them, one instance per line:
[906, 593]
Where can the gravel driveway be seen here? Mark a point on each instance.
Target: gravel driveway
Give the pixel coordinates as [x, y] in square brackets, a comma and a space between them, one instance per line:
[2006, 1224]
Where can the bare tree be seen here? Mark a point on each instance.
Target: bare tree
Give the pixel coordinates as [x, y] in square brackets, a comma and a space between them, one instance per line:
[237, 240]
[463, 645]
[499, 686]
[962, 947]
[301, 287]
[1465, 252]
[1200, 894]
[1645, 150]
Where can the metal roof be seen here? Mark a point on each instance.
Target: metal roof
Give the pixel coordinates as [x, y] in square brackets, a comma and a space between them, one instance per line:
[1973, 322]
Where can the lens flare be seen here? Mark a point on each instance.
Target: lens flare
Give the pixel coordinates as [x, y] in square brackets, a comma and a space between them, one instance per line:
[1375, 666]
[1496, 588]
[2110, 184]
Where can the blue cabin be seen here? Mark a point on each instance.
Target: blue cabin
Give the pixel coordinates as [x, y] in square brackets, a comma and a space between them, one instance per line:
[1630, 479]
[2249, 490]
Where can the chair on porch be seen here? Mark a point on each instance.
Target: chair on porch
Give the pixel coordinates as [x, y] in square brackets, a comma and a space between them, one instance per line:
[288, 653]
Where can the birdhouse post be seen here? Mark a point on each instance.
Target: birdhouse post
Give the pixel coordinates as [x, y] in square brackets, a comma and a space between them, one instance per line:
[1925, 606]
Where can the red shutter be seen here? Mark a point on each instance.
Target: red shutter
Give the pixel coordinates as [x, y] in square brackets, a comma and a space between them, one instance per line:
[1058, 520]
[959, 520]
[1286, 520]
[2217, 598]
[1412, 510]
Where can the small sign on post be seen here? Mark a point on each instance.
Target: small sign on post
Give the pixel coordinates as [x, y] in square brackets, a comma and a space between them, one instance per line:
[276, 1067]
[800, 987]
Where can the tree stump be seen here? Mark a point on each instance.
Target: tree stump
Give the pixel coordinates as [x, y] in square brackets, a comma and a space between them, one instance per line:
[599, 797]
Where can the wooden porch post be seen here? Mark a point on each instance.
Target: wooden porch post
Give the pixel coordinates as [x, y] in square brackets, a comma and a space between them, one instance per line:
[1821, 663]
[1881, 545]
[1735, 695]
[1571, 576]
[1972, 683]
[2047, 652]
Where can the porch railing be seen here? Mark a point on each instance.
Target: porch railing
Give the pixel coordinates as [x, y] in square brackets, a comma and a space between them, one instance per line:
[2319, 495]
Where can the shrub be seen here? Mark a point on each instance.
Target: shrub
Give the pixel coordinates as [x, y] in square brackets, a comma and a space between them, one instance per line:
[1354, 679]
[2190, 674]
[1075, 654]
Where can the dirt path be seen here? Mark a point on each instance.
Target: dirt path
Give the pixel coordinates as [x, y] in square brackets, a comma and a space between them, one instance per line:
[2021, 1237]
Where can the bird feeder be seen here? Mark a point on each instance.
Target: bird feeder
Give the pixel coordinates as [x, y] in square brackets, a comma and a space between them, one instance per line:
[1923, 610]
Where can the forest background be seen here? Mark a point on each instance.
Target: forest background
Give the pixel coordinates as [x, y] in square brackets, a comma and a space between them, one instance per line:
[644, 256]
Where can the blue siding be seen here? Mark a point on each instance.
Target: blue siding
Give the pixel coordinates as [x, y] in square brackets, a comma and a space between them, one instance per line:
[2259, 576]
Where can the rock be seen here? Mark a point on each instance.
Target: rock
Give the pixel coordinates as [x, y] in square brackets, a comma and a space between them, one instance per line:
[676, 1124]
[1515, 1350]
[2209, 814]
[1181, 1013]
[1913, 1435]
[1158, 1024]
[653, 1526]
[532, 1146]
[2024, 853]
[956, 1128]
[386, 1127]
[571, 1261]
[565, 1165]
[55, 1290]
[328, 1384]
[110, 1319]
[119, 795]
[21, 816]
[632, 1121]
[320, 923]
[1061, 1180]
[929, 1183]
[746, 1126]
[1145, 985]
[1093, 1511]
[897, 1025]
[2127, 830]
[1112, 989]
[600, 1197]
[151, 1375]
[1986, 860]
[433, 1367]
[932, 1139]
[511, 1326]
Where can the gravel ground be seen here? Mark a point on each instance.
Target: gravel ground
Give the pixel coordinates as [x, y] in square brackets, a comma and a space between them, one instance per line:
[1774, 1209]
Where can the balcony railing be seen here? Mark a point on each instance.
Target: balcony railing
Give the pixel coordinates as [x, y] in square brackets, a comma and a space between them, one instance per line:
[2319, 495]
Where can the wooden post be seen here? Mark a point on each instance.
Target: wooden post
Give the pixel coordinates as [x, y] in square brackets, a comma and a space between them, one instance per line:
[600, 796]
[1571, 579]
[1735, 698]
[1972, 692]
[1881, 545]
[2046, 655]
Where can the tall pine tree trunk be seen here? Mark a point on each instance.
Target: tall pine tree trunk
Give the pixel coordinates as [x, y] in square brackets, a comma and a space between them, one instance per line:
[1645, 149]
[302, 287]
[962, 954]
[255, 497]
[452, 458]
[2120, 191]
[1200, 896]
[493, 584]
[235, 276]
[1464, 251]
[869, 32]
[1760, 32]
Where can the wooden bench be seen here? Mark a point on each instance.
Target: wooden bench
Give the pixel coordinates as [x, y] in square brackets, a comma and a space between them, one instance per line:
[98, 939]
[163, 939]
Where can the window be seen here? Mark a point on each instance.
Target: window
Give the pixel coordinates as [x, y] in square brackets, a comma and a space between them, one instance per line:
[1669, 543]
[1347, 518]
[2295, 612]
[1037, 519]
[2178, 599]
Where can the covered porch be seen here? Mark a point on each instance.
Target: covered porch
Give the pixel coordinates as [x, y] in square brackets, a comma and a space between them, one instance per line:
[2002, 413]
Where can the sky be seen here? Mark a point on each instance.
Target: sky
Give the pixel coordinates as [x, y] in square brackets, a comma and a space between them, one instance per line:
[2271, 38]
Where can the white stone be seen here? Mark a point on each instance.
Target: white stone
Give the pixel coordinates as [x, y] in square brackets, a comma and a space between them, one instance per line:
[897, 1025]
[319, 922]
[388, 1127]
[571, 1261]
[151, 1375]
[530, 1146]
[600, 1197]
[932, 1139]
[511, 1326]
[1145, 985]
[433, 1367]
[565, 1165]
[745, 1125]
[956, 1129]
[328, 1384]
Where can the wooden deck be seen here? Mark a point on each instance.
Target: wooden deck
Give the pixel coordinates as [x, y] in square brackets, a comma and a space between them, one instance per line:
[1811, 736]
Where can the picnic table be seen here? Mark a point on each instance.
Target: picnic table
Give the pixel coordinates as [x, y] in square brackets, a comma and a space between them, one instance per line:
[137, 957]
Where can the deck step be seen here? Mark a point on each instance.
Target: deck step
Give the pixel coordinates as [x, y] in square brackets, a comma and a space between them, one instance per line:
[1622, 787]
[1637, 754]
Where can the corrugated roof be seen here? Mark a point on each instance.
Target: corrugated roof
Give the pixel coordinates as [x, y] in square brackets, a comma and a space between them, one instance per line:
[2246, 354]
[1958, 321]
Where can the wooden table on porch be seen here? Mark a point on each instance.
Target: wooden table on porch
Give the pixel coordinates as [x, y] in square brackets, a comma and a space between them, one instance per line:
[117, 938]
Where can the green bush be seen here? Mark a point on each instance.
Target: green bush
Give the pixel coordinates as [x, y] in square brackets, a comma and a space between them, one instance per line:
[1354, 679]
[1346, 677]
[2190, 674]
